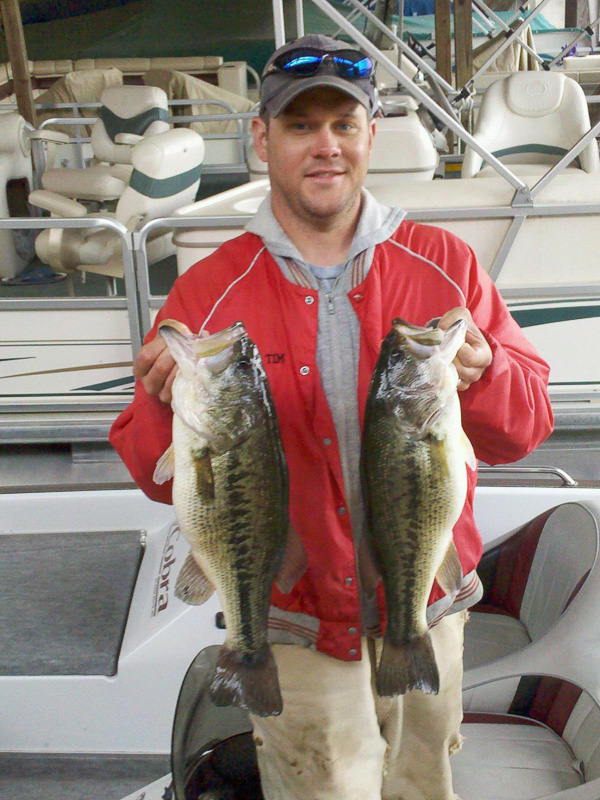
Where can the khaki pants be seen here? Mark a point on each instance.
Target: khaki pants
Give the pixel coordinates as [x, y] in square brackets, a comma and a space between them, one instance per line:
[336, 740]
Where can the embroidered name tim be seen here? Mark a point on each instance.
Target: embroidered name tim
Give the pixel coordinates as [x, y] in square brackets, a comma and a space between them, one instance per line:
[275, 358]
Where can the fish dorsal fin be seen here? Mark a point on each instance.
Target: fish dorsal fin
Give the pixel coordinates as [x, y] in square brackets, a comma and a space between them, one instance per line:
[192, 586]
[470, 457]
[449, 575]
[294, 564]
[165, 466]
[205, 480]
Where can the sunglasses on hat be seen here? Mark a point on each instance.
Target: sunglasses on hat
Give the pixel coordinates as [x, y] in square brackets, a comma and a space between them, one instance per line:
[302, 62]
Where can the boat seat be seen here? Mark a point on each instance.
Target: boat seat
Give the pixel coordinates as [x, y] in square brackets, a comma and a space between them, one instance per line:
[532, 118]
[532, 579]
[128, 114]
[525, 171]
[493, 636]
[166, 176]
[529, 736]
[508, 761]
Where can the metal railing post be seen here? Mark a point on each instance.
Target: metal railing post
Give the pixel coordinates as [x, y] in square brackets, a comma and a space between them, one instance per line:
[565, 160]
[299, 19]
[278, 23]
[131, 298]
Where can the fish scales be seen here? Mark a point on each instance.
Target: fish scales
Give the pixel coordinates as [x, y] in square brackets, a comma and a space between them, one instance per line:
[415, 496]
[414, 483]
[239, 563]
[230, 492]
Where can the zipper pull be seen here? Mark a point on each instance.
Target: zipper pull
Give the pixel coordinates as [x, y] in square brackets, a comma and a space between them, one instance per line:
[330, 307]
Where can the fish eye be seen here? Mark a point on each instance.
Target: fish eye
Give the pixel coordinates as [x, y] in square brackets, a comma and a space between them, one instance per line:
[244, 363]
[396, 356]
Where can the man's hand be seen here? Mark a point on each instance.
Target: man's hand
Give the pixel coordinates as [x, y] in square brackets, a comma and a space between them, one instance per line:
[475, 354]
[156, 369]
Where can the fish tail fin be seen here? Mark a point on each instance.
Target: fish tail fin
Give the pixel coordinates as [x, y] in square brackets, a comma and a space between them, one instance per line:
[407, 666]
[248, 681]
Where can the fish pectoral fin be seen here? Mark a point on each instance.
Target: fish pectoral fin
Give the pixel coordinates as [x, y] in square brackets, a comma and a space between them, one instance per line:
[470, 457]
[165, 466]
[205, 480]
[192, 585]
[449, 575]
[294, 564]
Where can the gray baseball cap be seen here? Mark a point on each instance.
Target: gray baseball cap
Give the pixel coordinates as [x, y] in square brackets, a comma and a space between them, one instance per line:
[278, 89]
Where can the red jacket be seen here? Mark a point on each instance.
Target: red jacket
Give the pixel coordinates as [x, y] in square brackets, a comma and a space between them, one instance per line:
[506, 414]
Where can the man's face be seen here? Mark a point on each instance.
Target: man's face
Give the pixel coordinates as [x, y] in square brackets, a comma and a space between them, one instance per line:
[317, 151]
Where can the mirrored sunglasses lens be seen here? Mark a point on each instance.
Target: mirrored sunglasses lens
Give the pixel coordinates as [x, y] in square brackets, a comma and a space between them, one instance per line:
[349, 68]
[301, 64]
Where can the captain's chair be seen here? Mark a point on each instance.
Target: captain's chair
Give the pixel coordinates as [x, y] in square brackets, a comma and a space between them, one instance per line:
[166, 175]
[529, 121]
[128, 114]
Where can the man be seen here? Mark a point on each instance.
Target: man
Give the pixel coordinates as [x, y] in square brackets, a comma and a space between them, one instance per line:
[317, 279]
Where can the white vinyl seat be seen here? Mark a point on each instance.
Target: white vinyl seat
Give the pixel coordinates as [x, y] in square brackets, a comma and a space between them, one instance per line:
[536, 579]
[128, 114]
[493, 636]
[166, 175]
[532, 119]
[529, 736]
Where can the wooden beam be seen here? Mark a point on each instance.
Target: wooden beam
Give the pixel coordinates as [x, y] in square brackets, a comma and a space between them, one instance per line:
[17, 53]
[463, 41]
[443, 40]
[571, 13]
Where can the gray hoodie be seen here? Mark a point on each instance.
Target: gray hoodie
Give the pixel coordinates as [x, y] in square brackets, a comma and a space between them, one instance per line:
[338, 336]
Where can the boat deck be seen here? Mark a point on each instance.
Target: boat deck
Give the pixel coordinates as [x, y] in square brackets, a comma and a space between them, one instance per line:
[30, 776]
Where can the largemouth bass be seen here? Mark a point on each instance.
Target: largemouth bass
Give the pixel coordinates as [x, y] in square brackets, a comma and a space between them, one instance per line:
[414, 483]
[230, 493]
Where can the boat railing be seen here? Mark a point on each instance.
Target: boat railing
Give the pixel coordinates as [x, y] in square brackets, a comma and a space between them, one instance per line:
[565, 478]
[141, 304]
[129, 302]
[147, 300]
[228, 114]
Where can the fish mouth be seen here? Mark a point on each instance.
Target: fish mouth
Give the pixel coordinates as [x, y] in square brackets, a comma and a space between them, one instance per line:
[214, 345]
[204, 346]
[454, 338]
[422, 342]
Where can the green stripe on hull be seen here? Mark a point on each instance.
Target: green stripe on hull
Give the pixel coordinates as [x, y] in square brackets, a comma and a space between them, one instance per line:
[528, 317]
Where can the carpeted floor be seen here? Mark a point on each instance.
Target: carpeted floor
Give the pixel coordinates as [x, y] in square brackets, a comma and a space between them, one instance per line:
[29, 776]
[74, 631]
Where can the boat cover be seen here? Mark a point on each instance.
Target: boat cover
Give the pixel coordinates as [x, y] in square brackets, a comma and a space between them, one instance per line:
[180, 86]
[85, 86]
